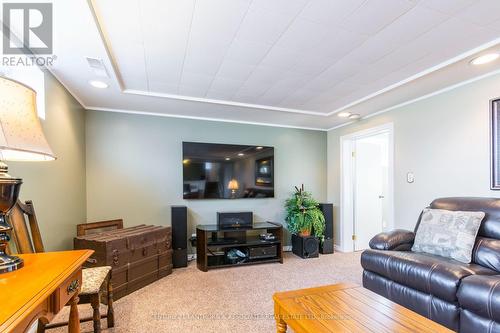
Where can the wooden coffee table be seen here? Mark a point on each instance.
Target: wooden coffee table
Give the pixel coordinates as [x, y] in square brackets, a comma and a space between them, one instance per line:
[345, 308]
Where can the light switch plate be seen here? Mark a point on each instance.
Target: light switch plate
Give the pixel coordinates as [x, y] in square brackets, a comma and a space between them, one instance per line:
[410, 177]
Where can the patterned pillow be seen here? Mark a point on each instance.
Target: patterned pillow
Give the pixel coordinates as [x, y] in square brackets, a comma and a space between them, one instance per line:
[446, 233]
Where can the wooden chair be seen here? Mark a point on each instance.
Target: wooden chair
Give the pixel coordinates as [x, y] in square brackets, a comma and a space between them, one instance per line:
[95, 281]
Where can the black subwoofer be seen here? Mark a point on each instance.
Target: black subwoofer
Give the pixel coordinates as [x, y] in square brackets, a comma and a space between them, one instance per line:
[326, 247]
[305, 246]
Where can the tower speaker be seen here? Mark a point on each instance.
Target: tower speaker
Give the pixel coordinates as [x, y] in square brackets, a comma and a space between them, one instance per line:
[305, 246]
[327, 244]
[179, 236]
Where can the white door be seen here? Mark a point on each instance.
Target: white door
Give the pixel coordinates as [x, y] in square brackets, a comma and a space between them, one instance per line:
[370, 187]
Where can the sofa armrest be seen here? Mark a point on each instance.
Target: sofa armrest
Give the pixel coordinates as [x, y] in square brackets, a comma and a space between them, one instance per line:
[396, 240]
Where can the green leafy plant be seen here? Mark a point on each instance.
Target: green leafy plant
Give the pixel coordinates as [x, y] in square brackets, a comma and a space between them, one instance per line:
[303, 215]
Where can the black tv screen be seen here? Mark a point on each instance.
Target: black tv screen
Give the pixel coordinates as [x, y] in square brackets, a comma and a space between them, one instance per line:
[220, 171]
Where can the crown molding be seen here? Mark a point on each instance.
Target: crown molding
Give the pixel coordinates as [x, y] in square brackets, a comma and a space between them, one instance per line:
[75, 96]
[421, 98]
[394, 107]
[222, 102]
[145, 113]
[430, 70]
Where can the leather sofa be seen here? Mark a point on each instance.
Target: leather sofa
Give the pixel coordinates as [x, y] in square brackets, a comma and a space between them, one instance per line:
[462, 297]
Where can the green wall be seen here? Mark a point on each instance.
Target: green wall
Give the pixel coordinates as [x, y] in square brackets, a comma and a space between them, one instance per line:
[134, 166]
[57, 188]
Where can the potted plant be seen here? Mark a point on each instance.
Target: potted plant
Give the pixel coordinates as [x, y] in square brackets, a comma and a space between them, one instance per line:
[303, 216]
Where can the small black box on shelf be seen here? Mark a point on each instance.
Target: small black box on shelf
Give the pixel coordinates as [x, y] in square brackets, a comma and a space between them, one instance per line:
[235, 220]
[261, 252]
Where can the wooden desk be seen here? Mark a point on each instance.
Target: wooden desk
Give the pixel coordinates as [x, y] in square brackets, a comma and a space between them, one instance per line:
[47, 282]
[345, 308]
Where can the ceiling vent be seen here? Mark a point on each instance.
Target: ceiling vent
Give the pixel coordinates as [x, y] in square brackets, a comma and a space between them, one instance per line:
[97, 67]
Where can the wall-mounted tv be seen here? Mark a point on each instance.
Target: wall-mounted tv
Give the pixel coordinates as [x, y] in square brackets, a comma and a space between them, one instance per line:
[221, 171]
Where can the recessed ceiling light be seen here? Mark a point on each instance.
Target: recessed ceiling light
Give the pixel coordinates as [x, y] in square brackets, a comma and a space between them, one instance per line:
[344, 114]
[228, 159]
[355, 116]
[186, 161]
[485, 58]
[259, 148]
[98, 84]
[241, 154]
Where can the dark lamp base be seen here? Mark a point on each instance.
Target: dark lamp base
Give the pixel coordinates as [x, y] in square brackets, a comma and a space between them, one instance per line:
[9, 192]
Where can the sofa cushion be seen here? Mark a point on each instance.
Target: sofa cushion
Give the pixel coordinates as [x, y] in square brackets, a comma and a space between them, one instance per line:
[481, 295]
[445, 313]
[446, 233]
[472, 323]
[428, 273]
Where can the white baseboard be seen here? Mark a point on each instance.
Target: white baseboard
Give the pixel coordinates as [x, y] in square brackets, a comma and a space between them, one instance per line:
[337, 248]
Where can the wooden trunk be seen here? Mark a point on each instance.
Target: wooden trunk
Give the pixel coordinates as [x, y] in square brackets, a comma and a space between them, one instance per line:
[138, 255]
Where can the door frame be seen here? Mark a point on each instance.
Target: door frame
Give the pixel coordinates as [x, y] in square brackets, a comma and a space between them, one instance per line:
[347, 178]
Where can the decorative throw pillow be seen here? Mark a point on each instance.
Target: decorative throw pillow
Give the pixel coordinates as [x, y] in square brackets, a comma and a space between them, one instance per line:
[448, 233]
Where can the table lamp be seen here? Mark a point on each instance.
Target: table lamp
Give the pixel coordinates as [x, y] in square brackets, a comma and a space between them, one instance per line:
[233, 186]
[21, 139]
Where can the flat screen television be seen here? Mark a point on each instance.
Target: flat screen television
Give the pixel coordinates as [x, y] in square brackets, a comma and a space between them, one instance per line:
[221, 171]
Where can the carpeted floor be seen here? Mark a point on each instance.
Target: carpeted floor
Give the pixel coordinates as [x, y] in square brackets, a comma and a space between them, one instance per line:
[225, 300]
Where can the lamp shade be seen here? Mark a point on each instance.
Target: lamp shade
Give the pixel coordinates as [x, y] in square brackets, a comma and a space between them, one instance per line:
[21, 134]
[233, 185]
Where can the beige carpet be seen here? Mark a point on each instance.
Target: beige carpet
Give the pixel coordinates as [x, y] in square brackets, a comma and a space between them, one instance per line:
[224, 300]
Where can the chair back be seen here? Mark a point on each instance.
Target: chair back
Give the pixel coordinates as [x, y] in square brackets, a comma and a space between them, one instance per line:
[25, 232]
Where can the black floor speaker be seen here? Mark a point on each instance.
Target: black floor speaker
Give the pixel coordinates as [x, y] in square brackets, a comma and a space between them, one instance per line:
[179, 236]
[305, 246]
[326, 247]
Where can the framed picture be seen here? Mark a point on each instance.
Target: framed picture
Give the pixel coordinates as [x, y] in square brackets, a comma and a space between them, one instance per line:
[495, 143]
[264, 171]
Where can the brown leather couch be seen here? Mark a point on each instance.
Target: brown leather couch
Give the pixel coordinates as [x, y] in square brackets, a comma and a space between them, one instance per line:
[462, 297]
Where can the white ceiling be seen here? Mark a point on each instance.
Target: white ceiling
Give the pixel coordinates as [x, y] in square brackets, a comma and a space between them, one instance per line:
[279, 62]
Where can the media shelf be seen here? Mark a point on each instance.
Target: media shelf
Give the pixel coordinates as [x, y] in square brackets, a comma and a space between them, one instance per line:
[213, 245]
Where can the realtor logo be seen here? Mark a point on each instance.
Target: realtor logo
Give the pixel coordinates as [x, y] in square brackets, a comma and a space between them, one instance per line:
[29, 24]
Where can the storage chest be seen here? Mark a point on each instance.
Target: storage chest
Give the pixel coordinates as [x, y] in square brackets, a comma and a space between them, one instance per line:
[137, 255]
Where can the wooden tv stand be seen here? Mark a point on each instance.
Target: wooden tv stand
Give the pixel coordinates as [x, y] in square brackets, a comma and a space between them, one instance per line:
[213, 244]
